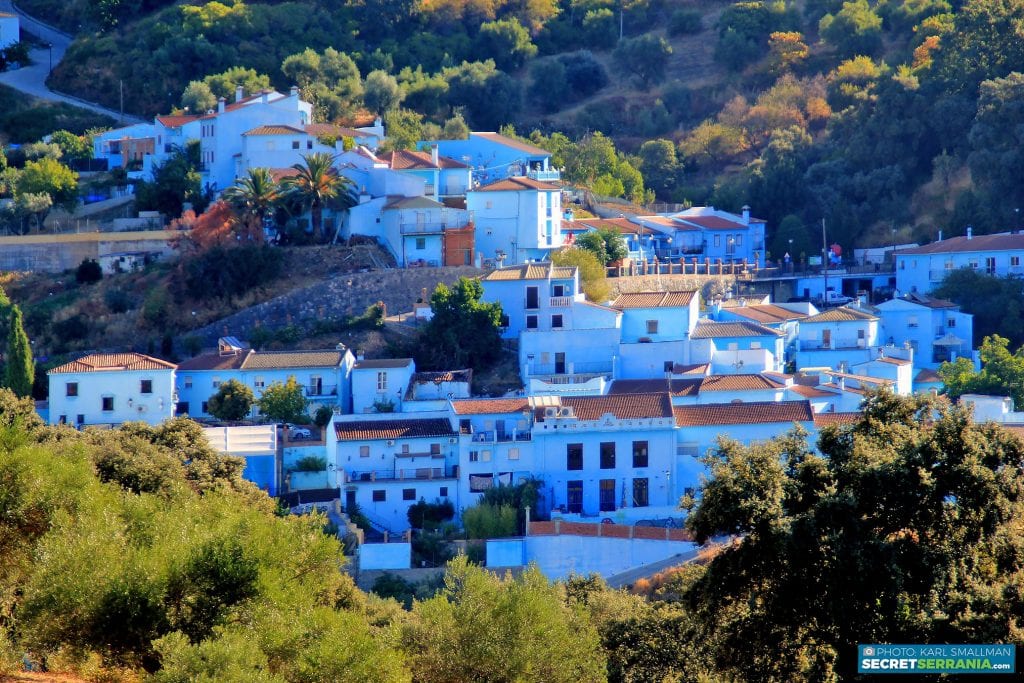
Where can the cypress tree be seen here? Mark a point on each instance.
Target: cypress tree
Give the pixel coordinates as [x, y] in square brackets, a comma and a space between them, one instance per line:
[20, 369]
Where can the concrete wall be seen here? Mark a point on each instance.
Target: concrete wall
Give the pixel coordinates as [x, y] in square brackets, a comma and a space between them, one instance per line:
[559, 556]
[57, 253]
[385, 556]
[506, 552]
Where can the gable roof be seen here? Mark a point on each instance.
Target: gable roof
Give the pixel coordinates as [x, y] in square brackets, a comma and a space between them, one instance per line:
[622, 406]
[654, 299]
[336, 130]
[406, 159]
[216, 361]
[825, 419]
[744, 382]
[707, 329]
[765, 313]
[512, 142]
[623, 226]
[759, 412]
[270, 360]
[372, 430]
[811, 392]
[676, 387]
[928, 301]
[276, 129]
[839, 315]
[382, 363]
[531, 271]
[487, 406]
[176, 120]
[113, 362]
[1004, 241]
[412, 203]
[711, 222]
[517, 184]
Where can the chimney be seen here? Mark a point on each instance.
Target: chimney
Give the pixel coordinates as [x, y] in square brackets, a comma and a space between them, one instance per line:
[265, 97]
[434, 155]
[940, 235]
[970, 232]
[220, 105]
[239, 93]
[746, 215]
[294, 92]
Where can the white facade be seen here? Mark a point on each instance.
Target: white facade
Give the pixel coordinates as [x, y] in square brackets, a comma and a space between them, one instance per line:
[10, 29]
[381, 385]
[922, 269]
[937, 330]
[517, 219]
[109, 389]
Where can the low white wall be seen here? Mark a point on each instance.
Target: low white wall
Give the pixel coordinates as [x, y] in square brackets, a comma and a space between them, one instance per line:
[505, 552]
[385, 556]
[304, 481]
[559, 556]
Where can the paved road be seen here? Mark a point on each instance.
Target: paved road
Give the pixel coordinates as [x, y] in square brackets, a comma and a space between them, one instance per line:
[32, 79]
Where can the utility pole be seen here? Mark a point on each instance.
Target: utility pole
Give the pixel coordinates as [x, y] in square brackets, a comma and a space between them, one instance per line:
[824, 255]
[121, 89]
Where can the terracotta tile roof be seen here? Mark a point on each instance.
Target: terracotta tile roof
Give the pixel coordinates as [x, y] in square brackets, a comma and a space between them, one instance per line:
[319, 129]
[274, 130]
[675, 387]
[382, 363]
[623, 226]
[707, 329]
[928, 301]
[748, 382]
[1003, 241]
[691, 369]
[760, 412]
[375, 430]
[531, 271]
[666, 222]
[837, 315]
[412, 203]
[532, 150]
[113, 362]
[443, 376]
[517, 184]
[487, 406]
[766, 313]
[622, 406]
[404, 159]
[279, 174]
[825, 419]
[811, 392]
[654, 299]
[927, 375]
[176, 120]
[215, 361]
[712, 222]
[270, 360]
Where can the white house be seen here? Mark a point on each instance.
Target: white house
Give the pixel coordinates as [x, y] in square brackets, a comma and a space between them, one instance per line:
[922, 269]
[112, 388]
[10, 29]
[493, 156]
[735, 347]
[380, 386]
[837, 337]
[704, 232]
[936, 329]
[656, 328]
[433, 390]
[443, 177]
[517, 219]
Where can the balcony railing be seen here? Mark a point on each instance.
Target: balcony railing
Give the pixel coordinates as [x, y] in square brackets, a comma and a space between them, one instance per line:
[492, 436]
[544, 176]
[401, 474]
[322, 390]
[592, 367]
[560, 301]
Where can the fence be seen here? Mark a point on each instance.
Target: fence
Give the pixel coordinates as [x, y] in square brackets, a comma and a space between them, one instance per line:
[558, 527]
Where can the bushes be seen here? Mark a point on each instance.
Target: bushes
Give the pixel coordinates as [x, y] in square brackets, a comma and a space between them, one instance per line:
[221, 272]
[684, 22]
[89, 271]
[424, 515]
[310, 463]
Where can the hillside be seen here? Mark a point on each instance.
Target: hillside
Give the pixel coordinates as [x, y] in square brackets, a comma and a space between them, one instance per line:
[803, 110]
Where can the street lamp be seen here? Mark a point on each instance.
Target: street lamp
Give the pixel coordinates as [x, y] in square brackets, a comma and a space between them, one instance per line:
[49, 46]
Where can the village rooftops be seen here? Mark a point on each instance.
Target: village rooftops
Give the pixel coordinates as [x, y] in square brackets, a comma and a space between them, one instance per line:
[839, 315]
[622, 406]
[113, 362]
[765, 314]
[404, 159]
[276, 129]
[397, 202]
[176, 120]
[517, 184]
[249, 359]
[492, 406]
[378, 430]
[532, 271]
[1003, 241]
[382, 364]
[623, 226]
[707, 329]
[759, 412]
[928, 301]
[745, 382]
[826, 419]
[677, 387]
[654, 299]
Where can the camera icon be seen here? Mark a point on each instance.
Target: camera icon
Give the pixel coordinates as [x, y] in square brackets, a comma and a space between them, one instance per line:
[869, 652]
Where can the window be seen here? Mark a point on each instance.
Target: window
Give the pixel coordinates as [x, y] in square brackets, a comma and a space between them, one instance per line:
[258, 382]
[739, 240]
[557, 290]
[912, 321]
[670, 366]
[421, 243]
[574, 456]
[639, 454]
[443, 492]
[754, 345]
[146, 386]
[951, 322]
[718, 240]
[641, 497]
[607, 455]
[474, 456]
[216, 382]
[485, 456]
[364, 451]
[382, 381]
[188, 381]
[62, 420]
[202, 408]
[556, 321]
[533, 297]
[405, 449]
[990, 265]
[504, 320]
[181, 408]
[531, 322]
[574, 495]
[309, 144]
[408, 494]
[72, 389]
[295, 144]
[513, 454]
[80, 419]
[380, 496]
[1015, 260]
[435, 449]
[108, 404]
[488, 204]
[606, 490]
[652, 327]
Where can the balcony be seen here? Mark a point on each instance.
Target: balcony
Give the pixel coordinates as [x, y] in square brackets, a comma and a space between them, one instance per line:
[491, 436]
[423, 228]
[313, 391]
[560, 302]
[544, 176]
[401, 474]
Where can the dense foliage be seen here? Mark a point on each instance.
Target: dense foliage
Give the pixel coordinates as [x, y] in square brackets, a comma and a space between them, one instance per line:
[463, 332]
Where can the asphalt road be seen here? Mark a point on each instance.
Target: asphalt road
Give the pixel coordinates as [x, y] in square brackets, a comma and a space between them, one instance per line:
[32, 79]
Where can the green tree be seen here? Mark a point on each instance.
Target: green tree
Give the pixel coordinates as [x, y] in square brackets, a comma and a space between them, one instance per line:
[284, 401]
[19, 368]
[507, 42]
[405, 129]
[463, 332]
[659, 165]
[253, 199]
[997, 144]
[74, 147]
[198, 98]
[485, 628]
[1001, 374]
[855, 30]
[226, 84]
[818, 531]
[593, 274]
[316, 184]
[645, 57]
[997, 304]
[231, 402]
[606, 244]
[381, 92]
[175, 182]
[49, 176]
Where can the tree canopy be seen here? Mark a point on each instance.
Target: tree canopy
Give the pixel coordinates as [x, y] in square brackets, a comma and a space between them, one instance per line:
[284, 401]
[463, 332]
[232, 401]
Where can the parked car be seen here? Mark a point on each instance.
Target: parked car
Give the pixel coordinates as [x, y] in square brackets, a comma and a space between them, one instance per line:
[296, 433]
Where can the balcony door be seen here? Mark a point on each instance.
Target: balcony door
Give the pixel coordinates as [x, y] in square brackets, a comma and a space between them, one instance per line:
[607, 495]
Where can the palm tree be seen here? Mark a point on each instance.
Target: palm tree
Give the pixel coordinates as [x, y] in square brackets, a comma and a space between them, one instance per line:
[317, 184]
[252, 199]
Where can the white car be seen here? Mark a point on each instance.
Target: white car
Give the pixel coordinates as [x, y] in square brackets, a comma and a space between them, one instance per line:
[299, 433]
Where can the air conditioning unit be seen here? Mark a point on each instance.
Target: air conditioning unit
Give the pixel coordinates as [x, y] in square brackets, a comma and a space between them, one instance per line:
[452, 440]
[141, 409]
[565, 412]
[551, 411]
[391, 443]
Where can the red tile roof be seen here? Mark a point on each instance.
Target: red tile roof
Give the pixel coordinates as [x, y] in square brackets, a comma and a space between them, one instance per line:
[675, 387]
[765, 313]
[274, 130]
[654, 299]
[404, 159]
[487, 406]
[622, 406]
[531, 271]
[1004, 241]
[836, 315]
[707, 329]
[825, 419]
[176, 120]
[113, 362]
[270, 360]
[623, 226]
[517, 184]
[761, 412]
[215, 361]
[279, 174]
[748, 382]
[375, 430]
[712, 222]
[532, 150]
[811, 392]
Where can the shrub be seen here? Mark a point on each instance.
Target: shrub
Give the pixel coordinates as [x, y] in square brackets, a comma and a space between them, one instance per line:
[89, 271]
[490, 521]
[323, 416]
[220, 272]
[118, 300]
[424, 515]
[310, 463]
[684, 22]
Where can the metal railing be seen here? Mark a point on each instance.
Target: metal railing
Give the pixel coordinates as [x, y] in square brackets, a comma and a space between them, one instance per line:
[400, 474]
[560, 301]
[322, 390]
